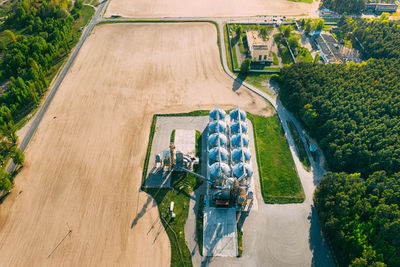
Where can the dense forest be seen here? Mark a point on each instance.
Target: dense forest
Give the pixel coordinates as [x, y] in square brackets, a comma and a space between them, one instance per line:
[353, 110]
[375, 39]
[361, 218]
[345, 6]
[39, 34]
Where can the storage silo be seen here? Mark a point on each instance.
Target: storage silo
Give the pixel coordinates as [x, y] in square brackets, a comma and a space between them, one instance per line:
[217, 139]
[218, 170]
[238, 127]
[241, 154]
[217, 127]
[237, 115]
[239, 140]
[242, 170]
[217, 114]
[218, 154]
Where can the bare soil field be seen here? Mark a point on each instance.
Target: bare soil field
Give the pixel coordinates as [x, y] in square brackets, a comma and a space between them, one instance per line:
[207, 8]
[84, 164]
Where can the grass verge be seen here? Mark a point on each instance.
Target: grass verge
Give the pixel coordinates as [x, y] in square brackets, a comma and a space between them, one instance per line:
[228, 55]
[301, 151]
[259, 80]
[275, 59]
[199, 224]
[151, 136]
[240, 242]
[278, 177]
[172, 137]
[304, 55]
[304, 1]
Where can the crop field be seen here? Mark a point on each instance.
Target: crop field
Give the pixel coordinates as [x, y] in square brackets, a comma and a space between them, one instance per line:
[83, 167]
[207, 8]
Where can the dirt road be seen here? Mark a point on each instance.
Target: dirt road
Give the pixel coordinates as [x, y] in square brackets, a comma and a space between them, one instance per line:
[84, 164]
[207, 8]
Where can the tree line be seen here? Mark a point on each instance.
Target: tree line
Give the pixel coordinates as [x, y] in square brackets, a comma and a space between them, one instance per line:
[353, 111]
[345, 6]
[374, 38]
[39, 34]
[361, 218]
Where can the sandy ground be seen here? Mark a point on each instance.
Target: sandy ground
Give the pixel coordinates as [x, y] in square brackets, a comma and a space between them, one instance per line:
[207, 8]
[84, 164]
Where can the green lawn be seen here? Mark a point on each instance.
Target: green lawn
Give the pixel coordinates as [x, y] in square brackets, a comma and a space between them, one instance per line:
[278, 177]
[286, 56]
[86, 14]
[304, 55]
[94, 3]
[228, 55]
[248, 27]
[258, 80]
[301, 151]
[235, 61]
[275, 59]
[242, 49]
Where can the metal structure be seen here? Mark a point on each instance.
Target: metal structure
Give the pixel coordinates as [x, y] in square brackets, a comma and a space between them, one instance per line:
[229, 173]
[229, 166]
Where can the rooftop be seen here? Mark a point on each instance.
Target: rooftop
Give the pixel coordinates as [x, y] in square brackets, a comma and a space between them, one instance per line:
[254, 38]
[185, 141]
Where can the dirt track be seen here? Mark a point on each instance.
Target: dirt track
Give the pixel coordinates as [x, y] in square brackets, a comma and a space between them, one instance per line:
[207, 8]
[83, 166]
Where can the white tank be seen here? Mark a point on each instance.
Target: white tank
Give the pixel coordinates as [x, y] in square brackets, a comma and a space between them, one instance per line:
[217, 126]
[242, 168]
[237, 125]
[238, 139]
[237, 114]
[218, 154]
[218, 169]
[241, 155]
[217, 139]
[217, 113]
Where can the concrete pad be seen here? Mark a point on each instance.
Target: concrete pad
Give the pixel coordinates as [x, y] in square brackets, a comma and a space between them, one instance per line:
[219, 234]
[185, 141]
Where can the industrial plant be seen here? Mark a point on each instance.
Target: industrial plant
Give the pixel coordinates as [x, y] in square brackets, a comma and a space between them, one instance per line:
[229, 167]
[229, 170]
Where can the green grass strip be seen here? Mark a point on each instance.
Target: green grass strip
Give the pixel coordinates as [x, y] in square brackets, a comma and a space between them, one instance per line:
[278, 176]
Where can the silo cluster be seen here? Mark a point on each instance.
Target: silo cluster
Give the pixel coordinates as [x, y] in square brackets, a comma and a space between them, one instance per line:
[228, 153]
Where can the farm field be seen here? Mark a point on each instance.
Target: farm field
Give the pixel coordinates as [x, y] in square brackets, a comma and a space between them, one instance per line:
[84, 165]
[207, 8]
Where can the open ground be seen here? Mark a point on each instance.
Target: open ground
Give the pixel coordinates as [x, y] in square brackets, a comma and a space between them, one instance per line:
[83, 166]
[208, 8]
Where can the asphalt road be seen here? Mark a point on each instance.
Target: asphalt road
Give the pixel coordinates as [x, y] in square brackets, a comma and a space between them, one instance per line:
[39, 116]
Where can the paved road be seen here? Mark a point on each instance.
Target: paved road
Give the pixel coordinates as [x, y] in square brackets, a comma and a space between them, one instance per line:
[38, 118]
